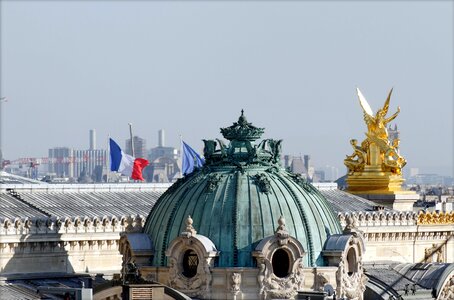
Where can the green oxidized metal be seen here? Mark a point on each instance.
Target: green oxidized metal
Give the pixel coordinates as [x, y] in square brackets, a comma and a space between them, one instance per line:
[237, 198]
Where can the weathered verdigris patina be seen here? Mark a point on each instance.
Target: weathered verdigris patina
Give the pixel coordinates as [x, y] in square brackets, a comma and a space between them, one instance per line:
[237, 198]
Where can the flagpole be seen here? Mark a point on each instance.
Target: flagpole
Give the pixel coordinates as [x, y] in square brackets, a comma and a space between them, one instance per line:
[132, 142]
[108, 159]
[181, 156]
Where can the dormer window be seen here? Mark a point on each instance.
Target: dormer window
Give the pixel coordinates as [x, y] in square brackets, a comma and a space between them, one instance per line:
[190, 263]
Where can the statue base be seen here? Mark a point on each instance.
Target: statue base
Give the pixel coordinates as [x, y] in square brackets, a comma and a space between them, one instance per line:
[383, 188]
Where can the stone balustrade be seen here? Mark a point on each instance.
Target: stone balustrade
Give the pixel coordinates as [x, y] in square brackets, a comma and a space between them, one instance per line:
[73, 225]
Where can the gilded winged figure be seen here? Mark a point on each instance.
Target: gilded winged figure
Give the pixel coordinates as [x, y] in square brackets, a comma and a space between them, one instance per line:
[376, 125]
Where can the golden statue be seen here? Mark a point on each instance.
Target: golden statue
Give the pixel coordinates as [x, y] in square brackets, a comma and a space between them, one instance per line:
[392, 160]
[356, 161]
[376, 125]
[376, 165]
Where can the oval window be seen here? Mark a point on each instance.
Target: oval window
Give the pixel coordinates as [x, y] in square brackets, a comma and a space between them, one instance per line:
[281, 263]
[190, 263]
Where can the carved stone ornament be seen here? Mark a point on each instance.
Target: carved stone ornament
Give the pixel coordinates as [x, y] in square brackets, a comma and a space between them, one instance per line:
[434, 254]
[272, 286]
[189, 230]
[264, 184]
[351, 285]
[321, 280]
[198, 285]
[447, 292]
[235, 281]
[281, 232]
[351, 224]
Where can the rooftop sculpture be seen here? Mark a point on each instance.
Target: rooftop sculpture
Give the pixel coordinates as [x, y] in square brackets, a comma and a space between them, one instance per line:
[376, 164]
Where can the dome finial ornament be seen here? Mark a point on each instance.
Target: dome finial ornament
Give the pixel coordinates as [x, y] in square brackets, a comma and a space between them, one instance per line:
[242, 119]
[189, 231]
[281, 232]
[242, 130]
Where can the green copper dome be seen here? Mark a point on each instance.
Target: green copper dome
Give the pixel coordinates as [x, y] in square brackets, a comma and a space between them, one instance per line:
[236, 199]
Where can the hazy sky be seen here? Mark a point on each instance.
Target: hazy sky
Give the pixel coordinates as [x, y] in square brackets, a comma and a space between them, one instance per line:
[190, 67]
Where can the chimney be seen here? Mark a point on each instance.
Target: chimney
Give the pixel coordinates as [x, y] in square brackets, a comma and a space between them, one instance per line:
[161, 138]
[92, 139]
[307, 162]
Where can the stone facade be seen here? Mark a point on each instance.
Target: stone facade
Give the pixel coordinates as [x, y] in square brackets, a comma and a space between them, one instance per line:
[343, 274]
[399, 236]
[69, 245]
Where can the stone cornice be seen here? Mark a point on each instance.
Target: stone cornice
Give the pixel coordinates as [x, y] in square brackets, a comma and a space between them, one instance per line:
[395, 226]
[397, 218]
[71, 225]
[379, 218]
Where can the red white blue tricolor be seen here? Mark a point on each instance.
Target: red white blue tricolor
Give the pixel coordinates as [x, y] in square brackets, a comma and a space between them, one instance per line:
[125, 163]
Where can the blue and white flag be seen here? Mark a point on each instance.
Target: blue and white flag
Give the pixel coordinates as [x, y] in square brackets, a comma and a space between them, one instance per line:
[191, 159]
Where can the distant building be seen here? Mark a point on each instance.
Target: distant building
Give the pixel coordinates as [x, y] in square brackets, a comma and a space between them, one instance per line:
[66, 162]
[140, 147]
[393, 133]
[414, 171]
[294, 164]
[297, 165]
[319, 176]
[300, 165]
[60, 162]
[430, 179]
[163, 162]
[88, 160]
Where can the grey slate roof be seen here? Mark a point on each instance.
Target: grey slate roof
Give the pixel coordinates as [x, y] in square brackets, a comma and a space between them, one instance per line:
[26, 286]
[426, 276]
[91, 204]
[345, 202]
[31, 203]
[12, 207]
[66, 201]
[12, 291]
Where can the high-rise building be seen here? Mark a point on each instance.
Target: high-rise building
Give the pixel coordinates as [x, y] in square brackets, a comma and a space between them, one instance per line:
[67, 162]
[88, 160]
[61, 162]
[163, 162]
[307, 162]
[140, 149]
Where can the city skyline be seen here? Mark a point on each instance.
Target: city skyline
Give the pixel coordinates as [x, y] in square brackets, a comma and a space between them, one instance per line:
[190, 68]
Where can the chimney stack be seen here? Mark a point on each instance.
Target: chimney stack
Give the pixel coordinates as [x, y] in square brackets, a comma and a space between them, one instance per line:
[161, 138]
[92, 139]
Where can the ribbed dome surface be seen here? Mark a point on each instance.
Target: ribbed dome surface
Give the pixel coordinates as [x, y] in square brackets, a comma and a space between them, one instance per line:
[236, 200]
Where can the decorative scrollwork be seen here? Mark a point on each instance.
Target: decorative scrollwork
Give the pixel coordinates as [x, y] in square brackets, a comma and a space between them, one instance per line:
[435, 218]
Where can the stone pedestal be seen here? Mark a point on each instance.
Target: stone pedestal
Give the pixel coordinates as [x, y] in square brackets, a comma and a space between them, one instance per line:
[374, 181]
[401, 201]
[383, 188]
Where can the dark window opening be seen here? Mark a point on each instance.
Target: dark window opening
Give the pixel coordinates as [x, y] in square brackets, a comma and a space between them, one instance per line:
[281, 263]
[190, 263]
[351, 262]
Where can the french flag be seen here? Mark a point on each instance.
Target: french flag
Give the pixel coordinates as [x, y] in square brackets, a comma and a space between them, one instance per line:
[124, 163]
